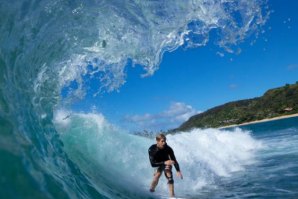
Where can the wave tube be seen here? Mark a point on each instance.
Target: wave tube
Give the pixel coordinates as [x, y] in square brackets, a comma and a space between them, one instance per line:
[48, 45]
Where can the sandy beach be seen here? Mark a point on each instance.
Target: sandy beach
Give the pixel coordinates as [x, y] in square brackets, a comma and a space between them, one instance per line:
[259, 121]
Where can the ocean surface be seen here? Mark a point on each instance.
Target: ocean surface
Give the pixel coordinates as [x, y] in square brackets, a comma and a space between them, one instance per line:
[53, 51]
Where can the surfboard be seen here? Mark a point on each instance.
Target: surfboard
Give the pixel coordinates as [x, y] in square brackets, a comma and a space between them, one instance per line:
[168, 197]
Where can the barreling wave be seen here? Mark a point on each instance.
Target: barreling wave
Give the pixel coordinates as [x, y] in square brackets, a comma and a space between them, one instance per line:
[48, 45]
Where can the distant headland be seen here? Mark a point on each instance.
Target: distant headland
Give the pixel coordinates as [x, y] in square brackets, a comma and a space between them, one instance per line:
[275, 104]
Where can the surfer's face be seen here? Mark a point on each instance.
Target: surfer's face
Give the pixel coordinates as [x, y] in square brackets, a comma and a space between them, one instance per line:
[161, 143]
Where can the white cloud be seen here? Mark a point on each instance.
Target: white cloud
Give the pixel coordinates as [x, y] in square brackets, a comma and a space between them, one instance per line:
[233, 86]
[292, 67]
[176, 114]
[220, 54]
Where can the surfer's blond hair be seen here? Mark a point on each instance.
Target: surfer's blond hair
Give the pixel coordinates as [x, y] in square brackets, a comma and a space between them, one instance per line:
[160, 136]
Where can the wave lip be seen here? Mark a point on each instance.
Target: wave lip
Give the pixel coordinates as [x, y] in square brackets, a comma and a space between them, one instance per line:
[65, 42]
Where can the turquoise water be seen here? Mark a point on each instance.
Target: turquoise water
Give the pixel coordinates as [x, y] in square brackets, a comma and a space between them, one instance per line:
[275, 174]
[47, 151]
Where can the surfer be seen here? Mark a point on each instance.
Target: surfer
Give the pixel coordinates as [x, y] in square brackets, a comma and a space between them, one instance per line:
[162, 157]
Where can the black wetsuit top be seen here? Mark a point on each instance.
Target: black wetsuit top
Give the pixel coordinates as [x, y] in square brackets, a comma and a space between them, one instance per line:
[159, 156]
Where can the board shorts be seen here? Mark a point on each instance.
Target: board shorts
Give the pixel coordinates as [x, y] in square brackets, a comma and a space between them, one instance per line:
[167, 168]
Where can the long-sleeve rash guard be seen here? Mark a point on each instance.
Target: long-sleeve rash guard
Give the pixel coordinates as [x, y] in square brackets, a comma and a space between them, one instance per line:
[159, 156]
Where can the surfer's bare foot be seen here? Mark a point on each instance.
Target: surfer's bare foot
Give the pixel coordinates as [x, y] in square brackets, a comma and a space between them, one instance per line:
[151, 190]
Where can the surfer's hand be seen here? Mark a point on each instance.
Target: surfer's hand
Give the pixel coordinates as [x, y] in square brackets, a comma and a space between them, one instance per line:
[179, 174]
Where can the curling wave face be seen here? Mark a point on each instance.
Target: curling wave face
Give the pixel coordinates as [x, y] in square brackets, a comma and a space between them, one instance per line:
[47, 45]
[63, 37]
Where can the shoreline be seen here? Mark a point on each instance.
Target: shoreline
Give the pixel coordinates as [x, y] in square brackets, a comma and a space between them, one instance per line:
[260, 121]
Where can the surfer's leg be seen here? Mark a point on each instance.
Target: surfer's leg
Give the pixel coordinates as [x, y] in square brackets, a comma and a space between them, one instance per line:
[155, 180]
[171, 190]
[169, 176]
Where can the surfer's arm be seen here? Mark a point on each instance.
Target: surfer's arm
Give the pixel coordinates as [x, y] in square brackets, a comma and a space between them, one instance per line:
[176, 165]
[172, 157]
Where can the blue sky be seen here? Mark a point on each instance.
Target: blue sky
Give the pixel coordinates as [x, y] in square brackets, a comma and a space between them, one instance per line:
[194, 80]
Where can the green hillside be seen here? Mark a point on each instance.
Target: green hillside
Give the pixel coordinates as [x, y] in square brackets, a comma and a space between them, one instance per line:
[275, 102]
